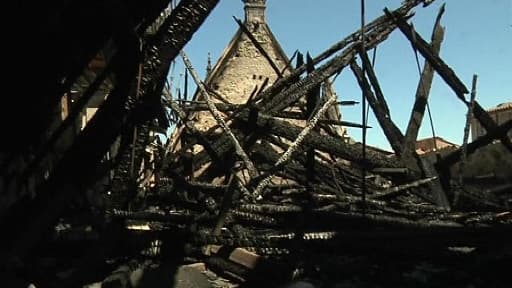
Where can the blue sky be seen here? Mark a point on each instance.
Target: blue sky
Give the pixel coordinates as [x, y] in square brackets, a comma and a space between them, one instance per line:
[478, 40]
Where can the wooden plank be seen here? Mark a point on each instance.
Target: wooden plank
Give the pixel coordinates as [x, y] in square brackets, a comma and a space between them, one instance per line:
[423, 90]
[392, 132]
[447, 74]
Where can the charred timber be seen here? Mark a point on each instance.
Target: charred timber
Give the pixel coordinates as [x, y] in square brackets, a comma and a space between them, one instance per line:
[423, 90]
[377, 23]
[378, 104]
[447, 74]
[99, 135]
[322, 142]
[301, 87]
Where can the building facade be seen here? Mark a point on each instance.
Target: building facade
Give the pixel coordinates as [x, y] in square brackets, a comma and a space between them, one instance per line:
[500, 114]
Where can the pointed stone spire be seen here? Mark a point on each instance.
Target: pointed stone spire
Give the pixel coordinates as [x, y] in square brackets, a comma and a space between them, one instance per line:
[209, 65]
[255, 11]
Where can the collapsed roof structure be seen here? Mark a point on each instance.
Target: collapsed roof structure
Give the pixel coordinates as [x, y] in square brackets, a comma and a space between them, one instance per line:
[259, 161]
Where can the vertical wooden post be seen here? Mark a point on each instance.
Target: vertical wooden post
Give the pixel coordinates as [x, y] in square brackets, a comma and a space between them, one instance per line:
[423, 90]
[311, 102]
[463, 150]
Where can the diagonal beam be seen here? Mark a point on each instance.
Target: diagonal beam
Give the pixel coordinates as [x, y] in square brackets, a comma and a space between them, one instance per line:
[423, 89]
[393, 134]
[218, 117]
[447, 74]
[377, 26]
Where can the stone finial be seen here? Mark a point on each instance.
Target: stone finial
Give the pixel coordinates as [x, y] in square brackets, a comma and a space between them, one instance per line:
[255, 10]
[209, 65]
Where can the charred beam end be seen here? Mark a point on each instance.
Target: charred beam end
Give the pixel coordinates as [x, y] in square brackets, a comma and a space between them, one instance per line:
[347, 103]
[425, 49]
[466, 135]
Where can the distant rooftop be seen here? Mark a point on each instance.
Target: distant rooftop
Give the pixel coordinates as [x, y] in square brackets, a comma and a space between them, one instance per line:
[500, 107]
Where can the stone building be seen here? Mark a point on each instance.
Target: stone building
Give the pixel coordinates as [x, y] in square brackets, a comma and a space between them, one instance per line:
[242, 68]
[434, 144]
[500, 114]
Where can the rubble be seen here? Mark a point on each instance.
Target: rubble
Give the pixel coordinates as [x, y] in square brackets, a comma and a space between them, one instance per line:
[274, 195]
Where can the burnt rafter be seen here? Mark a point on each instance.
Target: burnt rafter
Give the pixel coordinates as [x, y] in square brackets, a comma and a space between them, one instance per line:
[423, 89]
[378, 105]
[446, 73]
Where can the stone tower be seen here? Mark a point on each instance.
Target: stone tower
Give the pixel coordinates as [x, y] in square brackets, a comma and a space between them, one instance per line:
[241, 69]
[241, 66]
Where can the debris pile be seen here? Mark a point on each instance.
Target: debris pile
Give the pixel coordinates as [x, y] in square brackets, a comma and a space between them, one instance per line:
[269, 191]
[284, 190]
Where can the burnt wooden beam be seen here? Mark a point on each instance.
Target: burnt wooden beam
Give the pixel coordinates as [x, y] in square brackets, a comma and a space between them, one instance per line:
[219, 118]
[375, 27]
[98, 136]
[425, 49]
[396, 190]
[202, 106]
[298, 89]
[446, 73]
[423, 90]
[395, 137]
[342, 123]
[392, 132]
[379, 95]
[335, 146]
[226, 204]
[299, 139]
[289, 63]
[312, 100]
